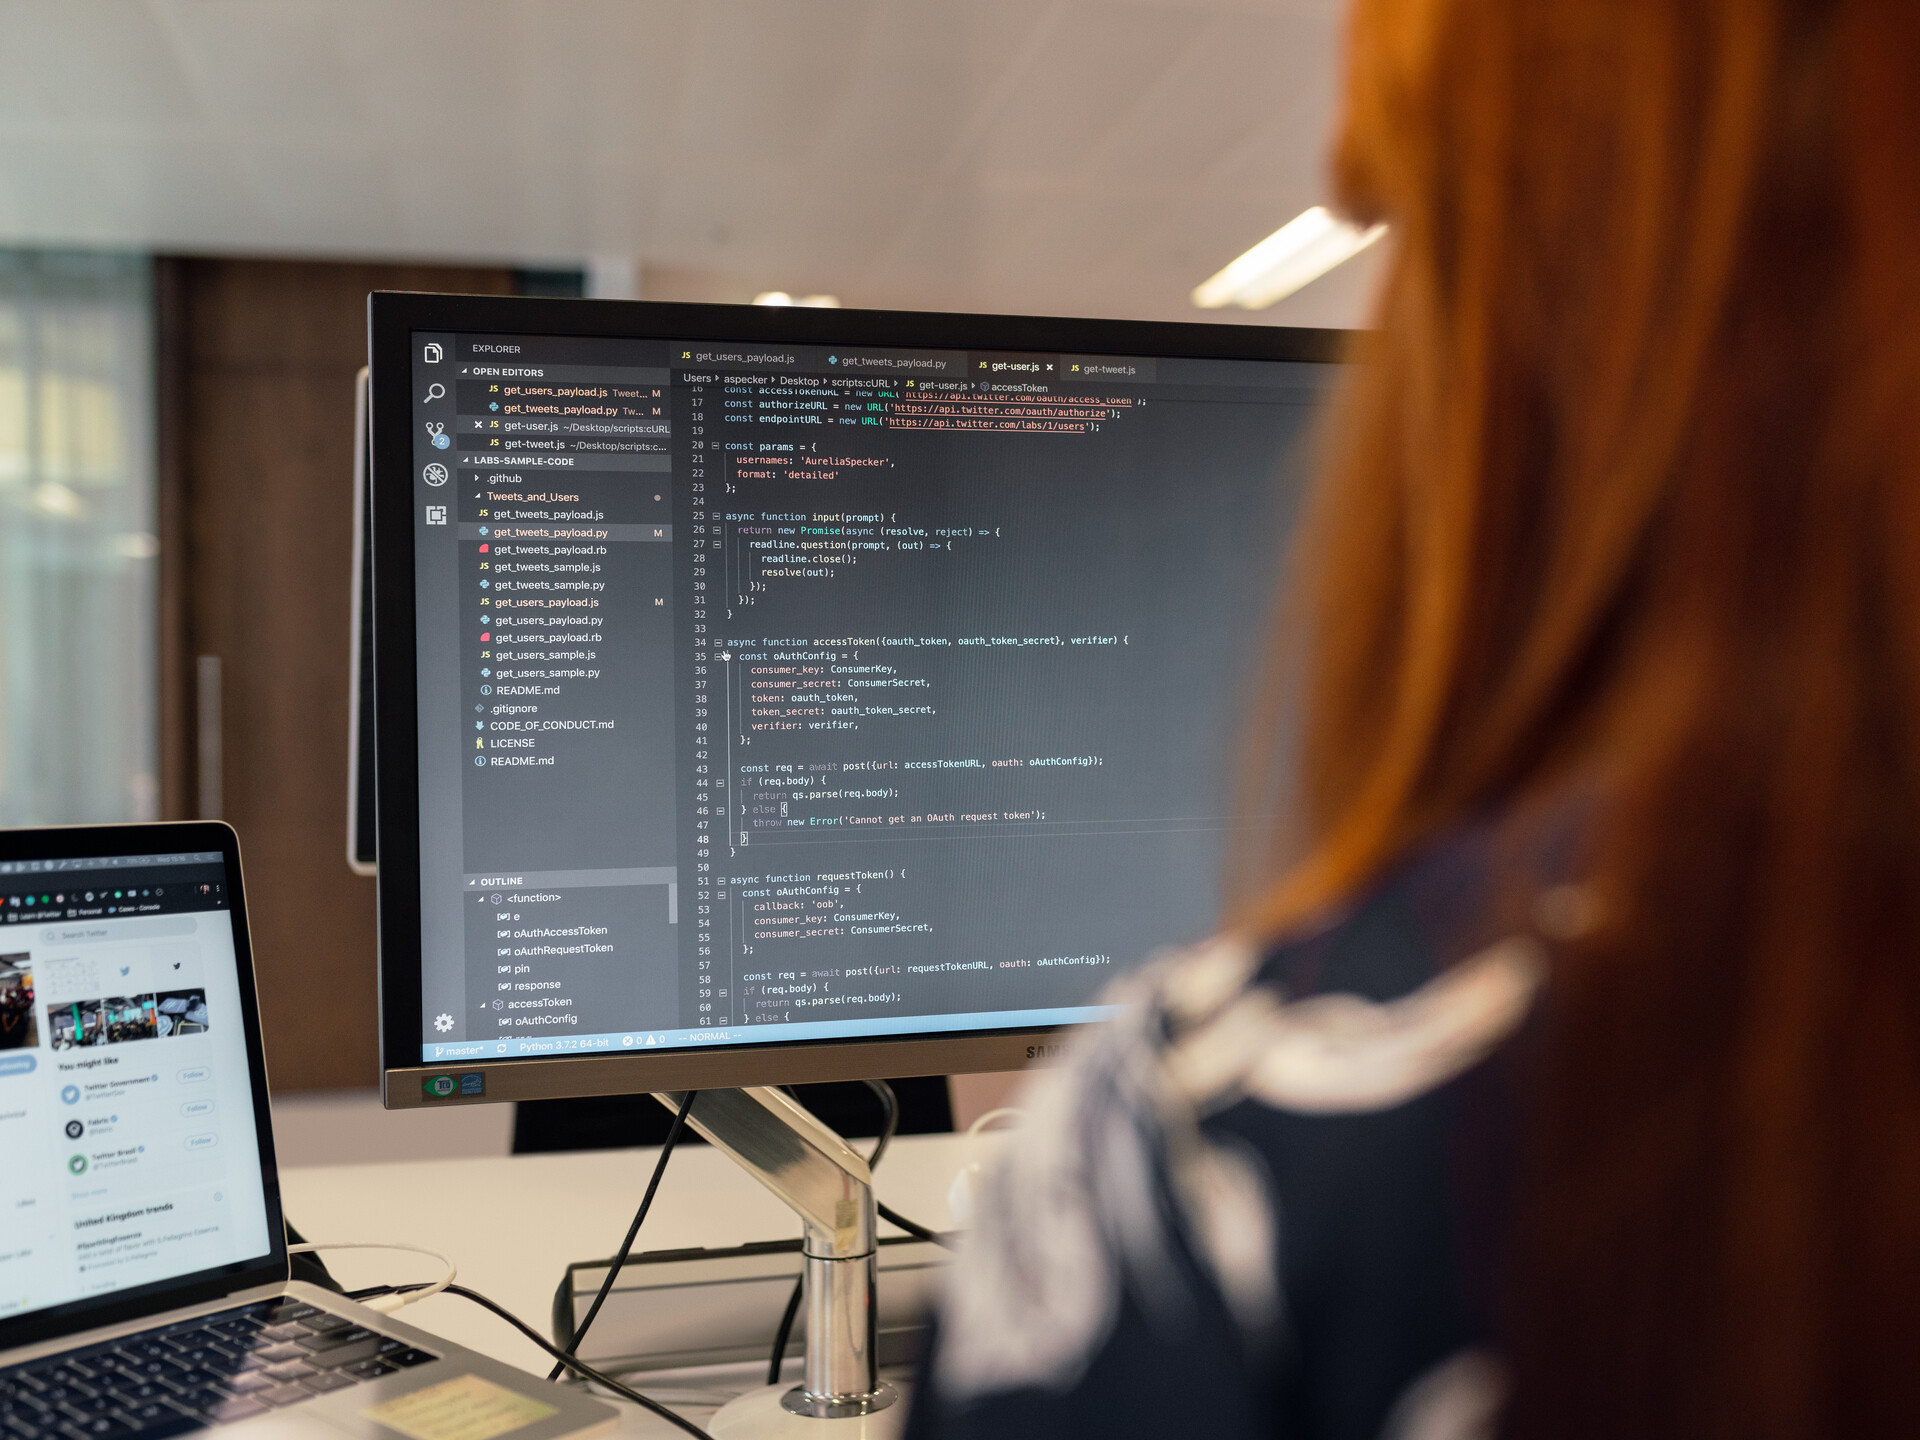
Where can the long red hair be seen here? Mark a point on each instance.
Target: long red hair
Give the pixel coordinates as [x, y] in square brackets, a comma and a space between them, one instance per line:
[1626, 503]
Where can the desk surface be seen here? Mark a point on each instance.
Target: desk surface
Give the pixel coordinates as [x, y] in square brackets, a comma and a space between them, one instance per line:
[512, 1224]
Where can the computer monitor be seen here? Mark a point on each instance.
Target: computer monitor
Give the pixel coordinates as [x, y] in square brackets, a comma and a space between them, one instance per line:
[773, 695]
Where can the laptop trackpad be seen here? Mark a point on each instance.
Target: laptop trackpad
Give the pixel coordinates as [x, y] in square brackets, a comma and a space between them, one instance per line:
[462, 1406]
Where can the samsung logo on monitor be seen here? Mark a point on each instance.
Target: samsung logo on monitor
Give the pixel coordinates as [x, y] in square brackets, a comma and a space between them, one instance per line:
[1048, 1052]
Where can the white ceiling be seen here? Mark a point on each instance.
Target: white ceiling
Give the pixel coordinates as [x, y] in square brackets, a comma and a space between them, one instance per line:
[1072, 156]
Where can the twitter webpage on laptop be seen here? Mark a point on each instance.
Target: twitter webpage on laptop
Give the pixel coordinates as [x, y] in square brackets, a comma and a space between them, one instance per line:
[126, 1106]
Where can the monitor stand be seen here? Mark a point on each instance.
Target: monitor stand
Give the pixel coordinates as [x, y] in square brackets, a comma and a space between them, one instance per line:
[825, 1180]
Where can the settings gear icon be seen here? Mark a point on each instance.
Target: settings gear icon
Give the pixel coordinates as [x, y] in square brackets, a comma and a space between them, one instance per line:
[443, 1022]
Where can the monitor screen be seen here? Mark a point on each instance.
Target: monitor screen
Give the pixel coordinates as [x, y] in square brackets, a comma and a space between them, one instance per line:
[132, 1157]
[806, 689]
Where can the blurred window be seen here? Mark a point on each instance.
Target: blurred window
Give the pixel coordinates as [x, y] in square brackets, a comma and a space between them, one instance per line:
[77, 543]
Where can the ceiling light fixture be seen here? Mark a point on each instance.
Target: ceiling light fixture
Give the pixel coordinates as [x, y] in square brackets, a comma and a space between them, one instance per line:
[53, 498]
[1299, 252]
[812, 302]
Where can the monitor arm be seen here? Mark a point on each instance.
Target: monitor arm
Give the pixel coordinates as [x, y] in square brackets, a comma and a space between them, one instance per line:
[775, 1139]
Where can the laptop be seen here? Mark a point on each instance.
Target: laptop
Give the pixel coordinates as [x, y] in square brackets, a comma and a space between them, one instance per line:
[144, 1284]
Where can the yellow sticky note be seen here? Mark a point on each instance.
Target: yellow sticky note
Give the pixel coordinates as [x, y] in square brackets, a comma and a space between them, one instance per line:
[465, 1408]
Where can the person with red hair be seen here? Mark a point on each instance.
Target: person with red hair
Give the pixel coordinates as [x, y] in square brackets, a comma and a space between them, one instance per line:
[1557, 1070]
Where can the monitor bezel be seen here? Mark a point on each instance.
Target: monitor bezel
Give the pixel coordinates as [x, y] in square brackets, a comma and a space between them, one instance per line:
[392, 319]
[136, 1302]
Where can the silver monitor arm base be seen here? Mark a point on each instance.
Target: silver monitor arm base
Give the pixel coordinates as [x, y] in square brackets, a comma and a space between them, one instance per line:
[827, 1183]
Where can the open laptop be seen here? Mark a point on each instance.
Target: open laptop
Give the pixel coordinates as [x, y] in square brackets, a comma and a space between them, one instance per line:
[144, 1287]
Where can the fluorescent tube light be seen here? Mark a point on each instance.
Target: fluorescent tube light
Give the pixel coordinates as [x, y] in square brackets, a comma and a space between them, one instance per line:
[1300, 251]
[812, 302]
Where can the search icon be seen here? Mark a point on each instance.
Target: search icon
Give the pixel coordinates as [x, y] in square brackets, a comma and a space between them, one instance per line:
[435, 392]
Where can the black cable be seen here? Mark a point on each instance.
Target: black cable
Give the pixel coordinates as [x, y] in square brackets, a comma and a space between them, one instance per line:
[887, 1213]
[888, 1125]
[564, 1360]
[890, 1102]
[633, 1230]
[781, 1336]
[914, 1228]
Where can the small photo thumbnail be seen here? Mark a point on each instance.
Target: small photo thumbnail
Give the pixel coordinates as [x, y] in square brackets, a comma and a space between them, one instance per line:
[76, 1024]
[130, 1017]
[182, 1012]
[19, 1021]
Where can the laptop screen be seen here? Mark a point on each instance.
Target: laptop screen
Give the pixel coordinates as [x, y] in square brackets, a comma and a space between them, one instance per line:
[127, 1114]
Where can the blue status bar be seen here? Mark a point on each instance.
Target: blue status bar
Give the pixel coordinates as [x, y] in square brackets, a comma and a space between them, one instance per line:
[511, 1047]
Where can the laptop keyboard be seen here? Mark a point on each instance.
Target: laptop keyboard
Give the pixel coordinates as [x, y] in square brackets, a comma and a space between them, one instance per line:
[211, 1370]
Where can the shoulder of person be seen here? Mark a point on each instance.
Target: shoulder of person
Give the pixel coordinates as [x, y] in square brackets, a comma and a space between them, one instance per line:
[1225, 1026]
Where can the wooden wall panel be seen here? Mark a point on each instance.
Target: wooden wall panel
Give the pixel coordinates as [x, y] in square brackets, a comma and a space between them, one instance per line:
[257, 363]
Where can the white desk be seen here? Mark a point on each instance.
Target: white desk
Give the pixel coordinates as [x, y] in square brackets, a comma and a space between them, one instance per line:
[513, 1224]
